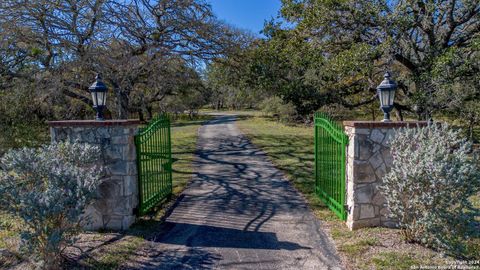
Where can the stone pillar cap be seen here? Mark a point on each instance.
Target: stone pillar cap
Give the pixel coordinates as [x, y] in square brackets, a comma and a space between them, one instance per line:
[93, 123]
[377, 124]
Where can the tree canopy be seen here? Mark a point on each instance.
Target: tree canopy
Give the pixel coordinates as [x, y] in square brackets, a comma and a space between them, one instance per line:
[144, 49]
[176, 55]
[334, 52]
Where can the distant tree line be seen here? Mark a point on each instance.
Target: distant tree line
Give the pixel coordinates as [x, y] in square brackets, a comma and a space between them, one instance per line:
[332, 54]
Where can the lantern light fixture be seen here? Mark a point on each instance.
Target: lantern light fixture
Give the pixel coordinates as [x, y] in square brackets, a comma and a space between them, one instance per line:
[99, 96]
[386, 94]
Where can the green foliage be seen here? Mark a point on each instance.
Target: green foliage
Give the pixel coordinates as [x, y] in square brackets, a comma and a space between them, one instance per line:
[308, 65]
[20, 119]
[29, 134]
[228, 84]
[333, 54]
[189, 101]
[456, 77]
[429, 186]
[271, 105]
[287, 113]
[274, 106]
[48, 188]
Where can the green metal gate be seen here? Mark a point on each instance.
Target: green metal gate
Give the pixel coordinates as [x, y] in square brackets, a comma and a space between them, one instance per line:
[330, 151]
[154, 163]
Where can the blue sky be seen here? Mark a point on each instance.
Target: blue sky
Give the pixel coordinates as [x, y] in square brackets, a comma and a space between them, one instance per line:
[246, 14]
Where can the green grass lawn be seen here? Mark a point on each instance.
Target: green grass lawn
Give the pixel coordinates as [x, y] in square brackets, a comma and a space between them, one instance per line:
[184, 143]
[291, 149]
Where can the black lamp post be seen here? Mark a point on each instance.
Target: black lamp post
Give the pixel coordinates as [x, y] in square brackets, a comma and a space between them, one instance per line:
[99, 96]
[386, 94]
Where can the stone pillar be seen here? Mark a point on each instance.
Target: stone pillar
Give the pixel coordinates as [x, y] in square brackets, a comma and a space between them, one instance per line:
[368, 160]
[118, 192]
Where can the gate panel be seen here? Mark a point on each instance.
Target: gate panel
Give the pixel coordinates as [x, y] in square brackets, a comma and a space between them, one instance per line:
[330, 156]
[154, 163]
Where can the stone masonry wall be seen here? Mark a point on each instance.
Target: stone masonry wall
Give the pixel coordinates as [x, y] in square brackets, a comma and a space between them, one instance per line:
[118, 192]
[368, 160]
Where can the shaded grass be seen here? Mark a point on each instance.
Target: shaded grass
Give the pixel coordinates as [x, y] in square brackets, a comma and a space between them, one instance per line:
[182, 120]
[358, 247]
[8, 230]
[111, 256]
[291, 149]
[9, 239]
[473, 245]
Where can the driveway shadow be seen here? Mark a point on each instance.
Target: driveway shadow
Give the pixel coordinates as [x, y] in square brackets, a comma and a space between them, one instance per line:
[221, 237]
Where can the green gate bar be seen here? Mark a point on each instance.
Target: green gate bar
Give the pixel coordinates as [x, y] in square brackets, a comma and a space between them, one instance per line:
[154, 163]
[330, 156]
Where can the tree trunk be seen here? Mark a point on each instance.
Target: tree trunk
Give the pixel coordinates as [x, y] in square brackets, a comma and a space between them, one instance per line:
[149, 113]
[471, 125]
[122, 103]
[140, 115]
[470, 132]
[399, 114]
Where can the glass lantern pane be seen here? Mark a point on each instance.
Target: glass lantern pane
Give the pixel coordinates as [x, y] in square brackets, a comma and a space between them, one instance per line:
[392, 96]
[386, 94]
[385, 98]
[94, 98]
[104, 98]
[101, 98]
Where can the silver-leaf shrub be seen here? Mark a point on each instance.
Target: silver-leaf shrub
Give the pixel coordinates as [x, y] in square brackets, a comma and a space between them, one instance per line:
[428, 188]
[48, 188]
